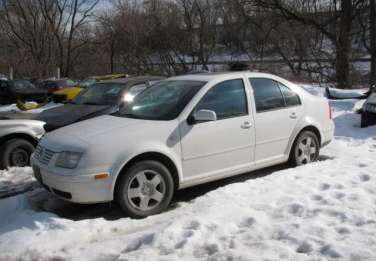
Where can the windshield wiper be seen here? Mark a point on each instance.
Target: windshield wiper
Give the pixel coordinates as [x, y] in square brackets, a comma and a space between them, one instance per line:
[130, 115]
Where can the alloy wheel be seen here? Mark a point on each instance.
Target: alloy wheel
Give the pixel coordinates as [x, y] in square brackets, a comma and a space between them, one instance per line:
[146, 190]
[306, 151]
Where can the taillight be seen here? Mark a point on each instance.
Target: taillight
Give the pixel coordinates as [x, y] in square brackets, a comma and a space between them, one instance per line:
[330, 110]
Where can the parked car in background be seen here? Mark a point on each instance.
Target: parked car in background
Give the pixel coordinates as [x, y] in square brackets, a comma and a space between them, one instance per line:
[18, 139]
[61, 90]
[93, 79]
[23, 90]
[369, 109]
[99, 99]
[181, 132]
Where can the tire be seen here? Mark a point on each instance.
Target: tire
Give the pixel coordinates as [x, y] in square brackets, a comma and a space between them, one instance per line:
[15, 153]
[364, 122]
[145, 189]
[306, 149]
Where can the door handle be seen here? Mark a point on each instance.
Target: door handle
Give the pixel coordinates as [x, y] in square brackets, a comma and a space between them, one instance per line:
[246, 125]
[293, 115]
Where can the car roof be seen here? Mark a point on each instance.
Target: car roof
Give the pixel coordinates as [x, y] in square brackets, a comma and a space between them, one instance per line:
[217, 75]
[130, 80]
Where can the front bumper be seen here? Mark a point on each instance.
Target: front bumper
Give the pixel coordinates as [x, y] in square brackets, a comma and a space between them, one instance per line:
[75, 187]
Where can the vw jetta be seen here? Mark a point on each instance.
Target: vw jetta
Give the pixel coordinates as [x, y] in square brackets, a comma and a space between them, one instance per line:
[181, 132]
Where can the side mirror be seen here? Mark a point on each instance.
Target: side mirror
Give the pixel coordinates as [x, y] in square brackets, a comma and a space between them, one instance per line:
[203, 116]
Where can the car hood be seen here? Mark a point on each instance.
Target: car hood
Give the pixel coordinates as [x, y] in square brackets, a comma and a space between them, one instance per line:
[86, 130]
[71, 113]
[17, 116]
[113, 138]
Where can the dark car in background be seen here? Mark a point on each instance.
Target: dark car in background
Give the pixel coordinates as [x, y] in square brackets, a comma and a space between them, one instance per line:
[99, 99]
[23, 90]
[369, 109]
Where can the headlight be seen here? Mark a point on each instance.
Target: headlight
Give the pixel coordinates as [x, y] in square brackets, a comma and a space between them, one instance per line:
[68, 159]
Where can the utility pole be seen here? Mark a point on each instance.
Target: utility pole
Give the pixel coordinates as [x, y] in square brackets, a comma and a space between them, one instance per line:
[10, 73]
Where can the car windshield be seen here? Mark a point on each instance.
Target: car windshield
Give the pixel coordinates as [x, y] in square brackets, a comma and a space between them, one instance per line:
[162, 101]
[100, 94]
[21, 85]
[86, 83]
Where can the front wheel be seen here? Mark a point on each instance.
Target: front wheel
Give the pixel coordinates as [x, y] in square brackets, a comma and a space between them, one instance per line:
[306, 149]
[145, 189]
[15, 153]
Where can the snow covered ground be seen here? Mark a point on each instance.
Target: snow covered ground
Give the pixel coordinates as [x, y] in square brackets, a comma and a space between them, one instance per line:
[322, 211]
[16, 180]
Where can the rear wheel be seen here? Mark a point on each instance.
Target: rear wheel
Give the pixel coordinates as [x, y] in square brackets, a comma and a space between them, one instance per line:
[145, 189]
[306, 149]
[15, 153]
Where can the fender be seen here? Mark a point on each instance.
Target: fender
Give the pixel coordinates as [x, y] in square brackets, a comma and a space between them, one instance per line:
[304, 122]
[155, 148]
[31, 128]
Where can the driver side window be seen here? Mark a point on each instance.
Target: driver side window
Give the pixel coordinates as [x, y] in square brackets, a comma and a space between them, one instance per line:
[227, 99]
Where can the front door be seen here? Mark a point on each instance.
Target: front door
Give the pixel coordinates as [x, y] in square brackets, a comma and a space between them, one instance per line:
[221, 146]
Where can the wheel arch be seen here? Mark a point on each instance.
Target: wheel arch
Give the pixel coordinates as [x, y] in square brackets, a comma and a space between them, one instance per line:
[156, 156]
[19, 135]
[309, 127]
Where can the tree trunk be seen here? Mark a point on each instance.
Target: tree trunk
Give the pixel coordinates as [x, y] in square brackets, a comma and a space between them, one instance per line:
[112, 55]
[343, 45]
[372, 32]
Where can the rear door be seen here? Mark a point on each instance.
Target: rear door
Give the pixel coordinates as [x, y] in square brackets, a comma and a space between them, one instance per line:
[278, 110]
[223, 146]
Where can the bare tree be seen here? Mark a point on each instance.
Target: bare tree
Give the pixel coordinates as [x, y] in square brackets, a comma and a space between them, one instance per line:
[334, 19]
[66, 18]
[27, 31]
[372, 33]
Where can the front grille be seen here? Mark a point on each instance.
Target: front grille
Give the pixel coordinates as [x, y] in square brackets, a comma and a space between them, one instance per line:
[43, 154]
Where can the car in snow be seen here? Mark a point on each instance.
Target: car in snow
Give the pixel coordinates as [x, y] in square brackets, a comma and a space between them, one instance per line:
[369, 109]
[99, 99]
[181, 132]
[18, 138]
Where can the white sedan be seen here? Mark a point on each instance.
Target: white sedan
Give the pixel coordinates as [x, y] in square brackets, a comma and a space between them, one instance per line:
[183, 131]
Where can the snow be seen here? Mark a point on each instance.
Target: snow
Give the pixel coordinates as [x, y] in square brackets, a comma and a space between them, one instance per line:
[14, 108]
[16, 180]
[322, 211]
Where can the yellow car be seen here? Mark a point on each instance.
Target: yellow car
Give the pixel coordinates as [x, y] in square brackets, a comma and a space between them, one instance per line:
[66, 94]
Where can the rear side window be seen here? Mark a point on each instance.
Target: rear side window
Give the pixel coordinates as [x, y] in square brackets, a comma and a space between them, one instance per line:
[227, 99]
[267, 94]
[291, 97]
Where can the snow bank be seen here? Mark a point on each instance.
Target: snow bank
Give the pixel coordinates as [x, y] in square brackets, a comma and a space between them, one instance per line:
[14, 108]
[16, 180]
[322, 211]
